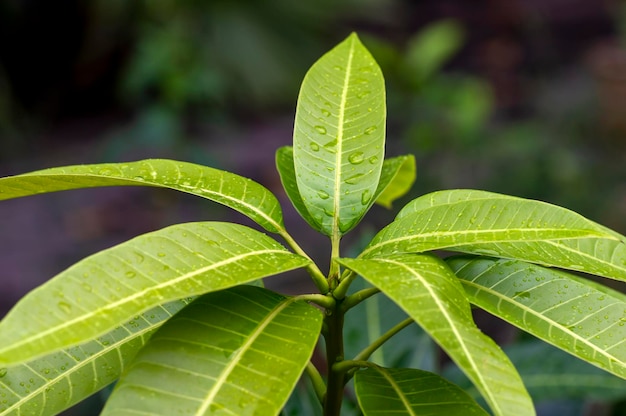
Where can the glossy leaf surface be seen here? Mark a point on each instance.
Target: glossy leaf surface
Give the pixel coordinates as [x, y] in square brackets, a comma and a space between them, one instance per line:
[55, 382]
[285, 166]
[102, 291]
[557, 307]
[427, 290]
[339, 136]
[498, 225]
[234, 191]
[396, 179]
[411, 392]
[239, 351]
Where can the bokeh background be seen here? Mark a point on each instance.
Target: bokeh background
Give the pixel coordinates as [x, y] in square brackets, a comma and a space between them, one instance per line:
[526, 97]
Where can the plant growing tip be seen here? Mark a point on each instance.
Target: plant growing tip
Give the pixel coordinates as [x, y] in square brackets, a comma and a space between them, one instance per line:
[173, 314]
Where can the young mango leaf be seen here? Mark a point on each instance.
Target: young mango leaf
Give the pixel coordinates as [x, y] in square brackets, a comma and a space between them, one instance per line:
[285, 167]
[498, 225]
[552, 305]
[396, 179]
[233, 191]
[555, 376]
[411, 392]
[339, 136]
[102, 291]
[51, 384]
[427, 290]
[237, 351]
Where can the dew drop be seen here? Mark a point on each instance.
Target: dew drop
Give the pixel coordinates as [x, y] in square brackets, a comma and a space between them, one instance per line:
[130, 274]
[104, 171]
[337, 68]
[363, 94]
[314, 146]
[323, 195]
[356, 158]
[320, 129]
[161, 254]
[329, 212]
[326, 113]
[139, 258]
[212, 243]
[87, 287]
[365, 197]
[331, 143]
[65, 307]
[354, 179]
[139, 178]
[373, 159]
[370, 130]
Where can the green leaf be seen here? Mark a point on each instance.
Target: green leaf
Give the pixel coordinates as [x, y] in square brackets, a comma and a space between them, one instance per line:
[504, 226]
[285, 166]
[238, 351]
[51, 384]
[425, 288]
[396, 179]
[234, 191]
[411, 392]
[551, 374]
[552, 305]
[102, 291]
[339, 136]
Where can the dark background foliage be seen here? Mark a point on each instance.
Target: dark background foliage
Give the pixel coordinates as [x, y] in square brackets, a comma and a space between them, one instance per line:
[522, 97]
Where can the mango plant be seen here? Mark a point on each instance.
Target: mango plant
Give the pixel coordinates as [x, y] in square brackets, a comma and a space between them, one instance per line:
[180, 315]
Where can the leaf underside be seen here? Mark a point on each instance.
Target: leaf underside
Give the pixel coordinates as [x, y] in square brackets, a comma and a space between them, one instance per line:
[229, 189]
[427, 290]
[238, 351]
[102, 291]
[339, 136]
[559, 308]
[396, 179]
[411, 392]
[52, 383]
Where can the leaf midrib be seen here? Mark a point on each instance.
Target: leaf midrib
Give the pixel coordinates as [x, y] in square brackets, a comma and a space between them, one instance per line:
[397, 389]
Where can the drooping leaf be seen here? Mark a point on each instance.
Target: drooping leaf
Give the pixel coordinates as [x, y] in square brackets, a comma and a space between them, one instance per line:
[551, 374]
[411, 392]
[339, 136]
[429, 292]
[234, 191]
[552, 305]
[498, 225]
[102, 291]
[237, 351]
[284, 164]
[396, 179]
[51, 384]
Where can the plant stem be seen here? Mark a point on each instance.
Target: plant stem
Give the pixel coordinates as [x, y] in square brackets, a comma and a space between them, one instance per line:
[358, 297]
[344, 285]
[317, 381]
[334, 355]
[325, 301]
[316, 274]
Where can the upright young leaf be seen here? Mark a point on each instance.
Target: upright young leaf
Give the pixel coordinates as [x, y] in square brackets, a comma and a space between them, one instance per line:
[237, 351]
[499, 225]
[559, 308]
[339, 136]
[411, 392]
[102, 291]
[234, 191]
[51, 384]
[427, 290]
[396, 179]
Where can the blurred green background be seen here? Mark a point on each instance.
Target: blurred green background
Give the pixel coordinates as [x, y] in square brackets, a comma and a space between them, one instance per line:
[521, 97]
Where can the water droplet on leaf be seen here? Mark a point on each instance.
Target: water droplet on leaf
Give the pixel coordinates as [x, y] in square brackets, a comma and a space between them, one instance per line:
[314, 146]
[365, 197]
[326, 113]
[373, 159]
[320, 129]
[363, 94]
[323, 195]
[65, 307]
[356, 158]
[370, 130]
[104, 171]
[354, 179]
[130, 274]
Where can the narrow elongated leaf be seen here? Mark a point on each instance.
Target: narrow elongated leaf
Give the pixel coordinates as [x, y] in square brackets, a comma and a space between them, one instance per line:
[411, 392]
[234, 191]
[431, 294]
[552, 305]
[104, 290]
[396, 179]
[498, 225]
[284, 164]
[551, 374]
[339, 136]
[55, 382]
[238, 351]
